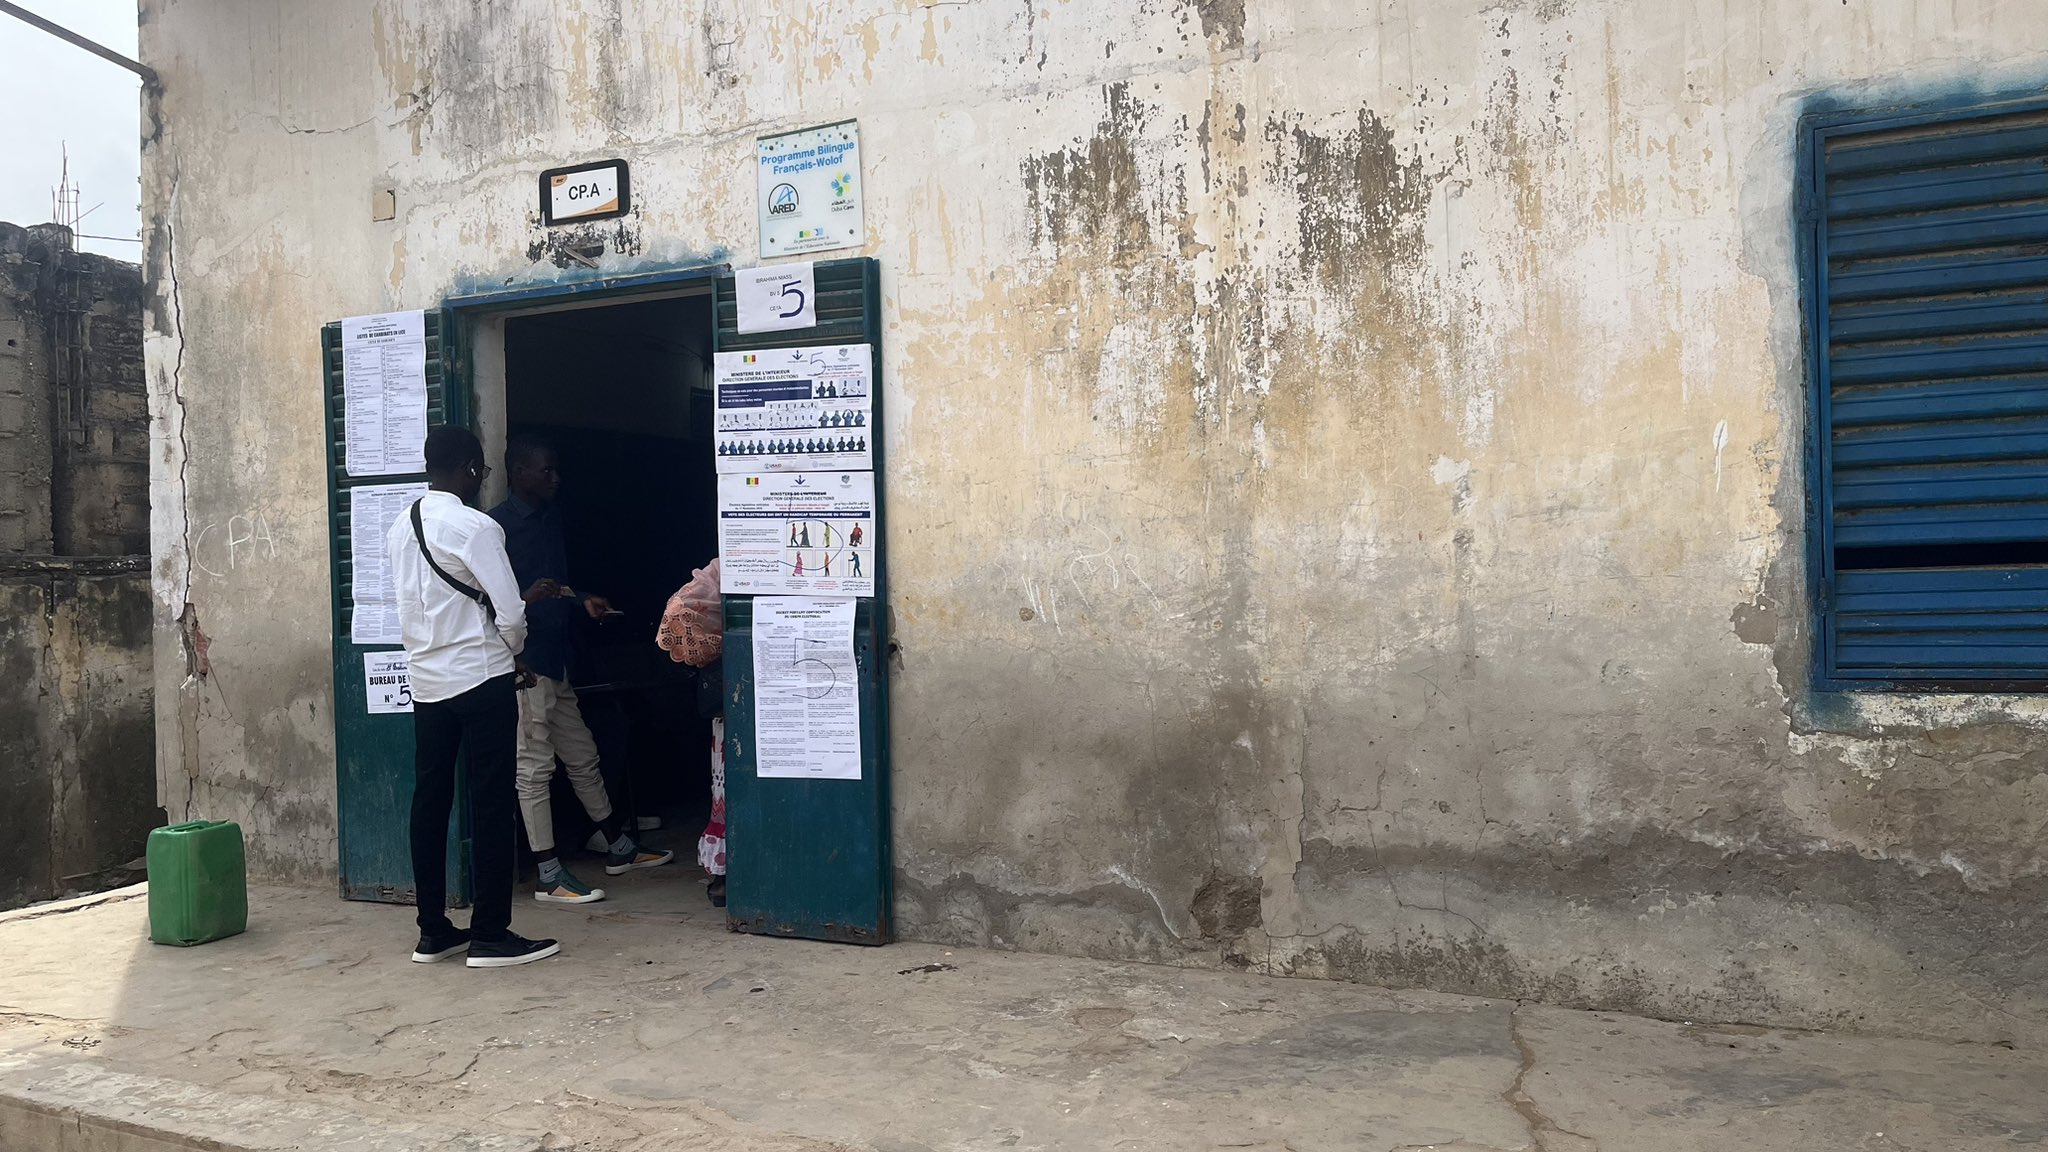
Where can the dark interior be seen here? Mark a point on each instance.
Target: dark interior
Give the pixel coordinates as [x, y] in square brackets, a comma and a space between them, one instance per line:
[2000, 553]
[623, 394]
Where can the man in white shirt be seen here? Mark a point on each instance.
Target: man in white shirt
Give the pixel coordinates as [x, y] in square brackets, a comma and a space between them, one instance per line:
[463, 624]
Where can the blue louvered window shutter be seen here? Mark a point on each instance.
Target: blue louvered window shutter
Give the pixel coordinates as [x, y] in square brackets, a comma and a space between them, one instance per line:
[1928, 310]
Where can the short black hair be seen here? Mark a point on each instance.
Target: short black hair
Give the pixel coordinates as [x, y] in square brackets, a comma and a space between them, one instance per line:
[450, 448]
[524, 446]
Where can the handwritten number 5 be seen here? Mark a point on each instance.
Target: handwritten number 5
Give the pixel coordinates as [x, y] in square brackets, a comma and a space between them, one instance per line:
[789, 288]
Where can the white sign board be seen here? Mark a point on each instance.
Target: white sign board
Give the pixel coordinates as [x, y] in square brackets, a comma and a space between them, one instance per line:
[797, 533]
[777, 298]
[384, 393]
[386, 677]
[585, 192]
[794, 409]
[810, 190]
[372, 510]
[806, 698]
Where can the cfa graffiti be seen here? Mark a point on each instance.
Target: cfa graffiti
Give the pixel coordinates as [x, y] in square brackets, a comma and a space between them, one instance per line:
[241, 541]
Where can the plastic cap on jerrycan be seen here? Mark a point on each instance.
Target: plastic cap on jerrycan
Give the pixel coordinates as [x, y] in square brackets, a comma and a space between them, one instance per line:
[198, 882]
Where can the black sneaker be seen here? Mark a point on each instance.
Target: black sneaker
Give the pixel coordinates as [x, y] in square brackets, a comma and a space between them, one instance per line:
[513, 949]
[438, 947]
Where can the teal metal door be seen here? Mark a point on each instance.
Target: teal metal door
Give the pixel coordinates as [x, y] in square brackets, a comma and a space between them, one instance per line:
[373, 753]
[810, 858]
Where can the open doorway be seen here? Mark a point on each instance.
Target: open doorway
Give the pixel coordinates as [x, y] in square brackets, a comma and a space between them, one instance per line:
[622, 392]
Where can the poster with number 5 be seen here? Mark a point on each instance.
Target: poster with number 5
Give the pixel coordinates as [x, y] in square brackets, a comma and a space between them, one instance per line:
[795, 409]
[780, 298]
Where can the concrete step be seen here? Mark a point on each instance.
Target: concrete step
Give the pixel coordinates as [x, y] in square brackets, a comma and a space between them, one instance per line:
[49, 1105]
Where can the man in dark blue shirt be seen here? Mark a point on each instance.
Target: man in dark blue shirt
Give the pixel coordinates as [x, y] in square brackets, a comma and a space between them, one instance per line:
[550, 719]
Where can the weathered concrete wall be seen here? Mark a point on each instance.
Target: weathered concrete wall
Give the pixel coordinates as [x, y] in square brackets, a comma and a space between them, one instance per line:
[74, 417]
[76, 722]
[25, 871]
[26, 424]
[1346, 504]
[76, 725]
[101, 498]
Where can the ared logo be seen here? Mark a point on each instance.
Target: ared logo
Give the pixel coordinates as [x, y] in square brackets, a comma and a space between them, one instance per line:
[782, 200]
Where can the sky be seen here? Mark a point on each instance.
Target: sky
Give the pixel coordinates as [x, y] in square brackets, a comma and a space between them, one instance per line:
[57, 97]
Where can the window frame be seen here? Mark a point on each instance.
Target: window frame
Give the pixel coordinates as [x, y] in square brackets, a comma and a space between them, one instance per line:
[1825, 119]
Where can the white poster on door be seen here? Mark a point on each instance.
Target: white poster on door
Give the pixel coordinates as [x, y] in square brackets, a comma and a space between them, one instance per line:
[776, 299]
[384, 393]
[372, 510]
[387, 682]
[797, 534]
[794, 409]
[809, 186]
[806, 698]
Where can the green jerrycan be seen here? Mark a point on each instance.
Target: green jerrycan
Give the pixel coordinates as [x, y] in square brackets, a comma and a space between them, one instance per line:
[198, 882]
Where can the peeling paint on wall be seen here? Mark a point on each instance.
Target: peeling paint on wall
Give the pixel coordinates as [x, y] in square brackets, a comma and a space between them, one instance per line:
[1345, 482]
[584, 245]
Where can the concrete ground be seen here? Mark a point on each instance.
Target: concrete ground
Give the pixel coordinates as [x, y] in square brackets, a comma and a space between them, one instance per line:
[659, 1030]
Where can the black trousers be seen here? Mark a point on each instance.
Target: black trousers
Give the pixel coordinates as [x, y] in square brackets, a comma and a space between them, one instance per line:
[484, 722]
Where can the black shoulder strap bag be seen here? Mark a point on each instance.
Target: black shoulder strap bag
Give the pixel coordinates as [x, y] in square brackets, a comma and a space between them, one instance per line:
[482, 597]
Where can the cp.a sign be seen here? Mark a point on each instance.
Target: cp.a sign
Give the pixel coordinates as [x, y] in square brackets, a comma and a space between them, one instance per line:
[596, 191]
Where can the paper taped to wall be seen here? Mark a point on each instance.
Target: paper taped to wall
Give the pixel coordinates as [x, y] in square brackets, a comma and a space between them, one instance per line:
[806, 706]
[372, 510]
[795, 409]
[797, 533]
[384, 393]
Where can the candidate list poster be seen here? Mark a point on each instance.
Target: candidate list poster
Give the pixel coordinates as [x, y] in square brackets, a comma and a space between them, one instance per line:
[795, 409]
[384, 393]
[373, 597]
[797, 534]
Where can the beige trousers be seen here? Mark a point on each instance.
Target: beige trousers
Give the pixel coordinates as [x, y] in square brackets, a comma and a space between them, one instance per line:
[551, 725]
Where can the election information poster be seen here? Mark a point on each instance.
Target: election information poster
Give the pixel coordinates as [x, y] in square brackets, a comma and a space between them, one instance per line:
[777, 298]
[387, 682]
[384, 393]
[806, 689]
[797, 534]
[795, 409]
[372, 510]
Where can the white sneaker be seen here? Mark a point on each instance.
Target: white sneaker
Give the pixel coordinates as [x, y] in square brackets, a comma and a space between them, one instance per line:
[567, 889]
[638, 858]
